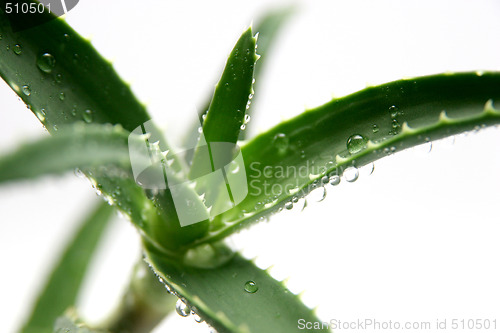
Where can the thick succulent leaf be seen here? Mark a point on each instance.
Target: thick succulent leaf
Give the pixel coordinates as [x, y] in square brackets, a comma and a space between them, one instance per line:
[300, 155]
[61, 289]
[235, 297]
[216, 148]
[267, 28]
[226, 113]
[63, 80]
[75, 146]
[62, 77]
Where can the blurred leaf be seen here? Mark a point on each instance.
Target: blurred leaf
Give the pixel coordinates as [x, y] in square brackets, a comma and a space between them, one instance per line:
[63, 285]
[75, 146]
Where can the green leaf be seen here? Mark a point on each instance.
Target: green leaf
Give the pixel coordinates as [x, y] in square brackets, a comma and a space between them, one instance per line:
[63, 80]
[75, 146]
[267, 29]
[301, 154]
[219, 295]
[61, 289]
[64, 76]
[227, 109]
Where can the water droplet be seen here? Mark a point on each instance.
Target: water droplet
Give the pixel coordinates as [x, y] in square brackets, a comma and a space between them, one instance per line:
[258, 205]
[351, 174]
[17, 49]
[73, 112]
[289, 205]
[251, 287]
[26, 90]
[356, 143]
[197, 318]
[325, 180]
[182, 308]
[62, 96]
[375, 128]
[79, 173]
[243, 126]
[88, 116]
[318, 194]
[247, 118]
[58, 78]
[371, 167]
[281, 142]
[66, 37]
[394, 110]
[334, 180]
[40, 115]
[55, 128]
[46, 62]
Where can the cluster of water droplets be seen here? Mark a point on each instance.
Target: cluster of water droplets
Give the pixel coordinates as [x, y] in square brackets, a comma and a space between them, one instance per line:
[395, 123]
[46, 63]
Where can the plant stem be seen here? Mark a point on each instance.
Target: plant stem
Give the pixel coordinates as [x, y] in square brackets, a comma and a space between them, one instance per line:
[144, 304]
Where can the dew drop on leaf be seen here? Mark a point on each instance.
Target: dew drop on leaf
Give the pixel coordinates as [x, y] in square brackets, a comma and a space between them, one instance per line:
[197, 318]
[334, 180]
[289, 205]
[375, 128]
[46, 62]
[182, 308]
[251, 287]
[394, 110]
[318, 194]
[17, 49]
[62, 96]
[40, 115]
[281, 142]
[88, 116]
[26, 90]
[351, 174]
[356, 143]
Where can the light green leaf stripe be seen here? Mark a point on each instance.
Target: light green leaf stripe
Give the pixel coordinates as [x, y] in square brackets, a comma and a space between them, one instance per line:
[63, 285]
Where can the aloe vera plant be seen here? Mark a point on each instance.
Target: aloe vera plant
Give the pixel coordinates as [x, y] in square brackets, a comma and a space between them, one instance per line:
[91, 113]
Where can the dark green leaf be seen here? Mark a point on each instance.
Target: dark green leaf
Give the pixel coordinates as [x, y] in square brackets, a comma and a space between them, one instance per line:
[301, 154]
[235, 297]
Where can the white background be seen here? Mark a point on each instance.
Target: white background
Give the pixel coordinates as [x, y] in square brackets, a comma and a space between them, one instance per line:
[415, 241]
